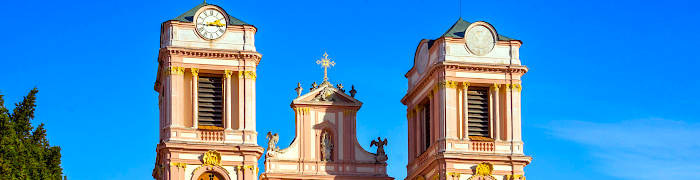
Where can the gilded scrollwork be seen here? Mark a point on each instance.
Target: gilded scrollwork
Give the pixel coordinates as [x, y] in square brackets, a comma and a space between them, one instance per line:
[484, 170]
[247, 75]
[179, 164]
[227, 74]
[495, 87]
[518, 87]
[174, 70]
[465, 85]
[454, 175]
[211, 158]
[515, 177]
[195, 72]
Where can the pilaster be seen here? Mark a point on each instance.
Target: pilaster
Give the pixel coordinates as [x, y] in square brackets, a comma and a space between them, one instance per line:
[228, 105]
[195, 94]
[495, 115]
[175, 77]
[507, 112]
[452, 123]
[465, 110]
[517, 134]
[249, 78]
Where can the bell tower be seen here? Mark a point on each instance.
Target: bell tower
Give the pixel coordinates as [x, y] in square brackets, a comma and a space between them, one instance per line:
[206, 85]
[463, 106]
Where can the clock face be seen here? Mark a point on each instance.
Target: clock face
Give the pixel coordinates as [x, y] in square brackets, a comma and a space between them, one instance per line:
[210, 24]
[480, 40]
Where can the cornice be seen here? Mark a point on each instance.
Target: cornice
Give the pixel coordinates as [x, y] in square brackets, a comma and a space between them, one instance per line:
[485, 67]
[213, 53]
[462, 66]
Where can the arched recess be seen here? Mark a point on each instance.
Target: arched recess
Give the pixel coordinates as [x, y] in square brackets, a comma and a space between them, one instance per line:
[326, 138]
[330, 129]
[217, 170]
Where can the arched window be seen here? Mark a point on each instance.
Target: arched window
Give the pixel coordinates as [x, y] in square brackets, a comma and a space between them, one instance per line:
[210, 176]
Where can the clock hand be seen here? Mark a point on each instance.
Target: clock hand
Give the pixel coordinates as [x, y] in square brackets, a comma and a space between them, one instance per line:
[216, 23]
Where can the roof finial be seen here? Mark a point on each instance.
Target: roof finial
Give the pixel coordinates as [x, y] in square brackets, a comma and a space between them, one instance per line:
[325, 63]
[353, 91]
[299, 89]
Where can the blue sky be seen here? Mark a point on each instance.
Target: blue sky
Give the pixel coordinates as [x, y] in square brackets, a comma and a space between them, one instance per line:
[611, 91]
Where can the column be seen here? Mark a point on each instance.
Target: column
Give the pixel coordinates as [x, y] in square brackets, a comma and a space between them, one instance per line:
[176, 110]
[507, 112]
[240, 101]
[442, 112]
[250, 94]
[517, 136]
[227, 97]
[195, 93]
[465, 110]
[495, 112]
[240, 172]
[450, 111]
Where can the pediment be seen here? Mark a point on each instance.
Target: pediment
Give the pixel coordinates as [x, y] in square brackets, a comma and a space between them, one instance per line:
[327, 94]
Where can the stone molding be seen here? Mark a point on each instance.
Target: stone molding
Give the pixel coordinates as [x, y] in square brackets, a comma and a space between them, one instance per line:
[247, 75]
[211, 53]
[470, 67]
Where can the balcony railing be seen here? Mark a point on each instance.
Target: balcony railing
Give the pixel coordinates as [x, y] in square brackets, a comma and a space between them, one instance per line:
[481, 146]
[211, 135]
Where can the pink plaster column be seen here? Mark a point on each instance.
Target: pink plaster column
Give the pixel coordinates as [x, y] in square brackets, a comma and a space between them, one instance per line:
[495, 115]
[227, 97]
[240, 101]
[173, 171]
[177, 109]
[451, 112]
[507, 112]
[195, 93]
[441, 113]
[240, 173]
[465, 110]
[250, 100]
[517, 134]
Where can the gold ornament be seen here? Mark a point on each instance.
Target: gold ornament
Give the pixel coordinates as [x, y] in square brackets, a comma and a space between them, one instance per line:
[211, 158]
[484, 169]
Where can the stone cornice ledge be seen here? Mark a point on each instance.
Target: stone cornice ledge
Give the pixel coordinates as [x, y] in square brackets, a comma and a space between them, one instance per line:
[213, 53]
[462, 66]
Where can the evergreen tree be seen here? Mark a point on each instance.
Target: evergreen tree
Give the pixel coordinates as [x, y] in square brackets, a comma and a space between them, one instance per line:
[25, 152]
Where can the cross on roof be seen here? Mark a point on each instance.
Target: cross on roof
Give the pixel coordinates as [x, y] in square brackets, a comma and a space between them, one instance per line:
[325, 63]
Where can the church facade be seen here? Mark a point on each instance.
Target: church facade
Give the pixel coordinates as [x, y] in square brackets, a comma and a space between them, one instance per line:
[463, 109]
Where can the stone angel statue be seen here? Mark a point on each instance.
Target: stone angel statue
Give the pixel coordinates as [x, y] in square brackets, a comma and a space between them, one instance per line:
[272, 142]
[381, 156]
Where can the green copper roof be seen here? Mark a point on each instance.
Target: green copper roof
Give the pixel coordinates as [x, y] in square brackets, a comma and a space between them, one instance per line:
[457, 31]
[189, 16]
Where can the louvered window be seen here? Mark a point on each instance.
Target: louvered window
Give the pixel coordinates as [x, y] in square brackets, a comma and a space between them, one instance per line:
[478, 108]
[426, 125]
[210, 101]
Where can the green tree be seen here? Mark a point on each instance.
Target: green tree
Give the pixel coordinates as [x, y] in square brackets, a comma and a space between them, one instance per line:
[25, 152]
